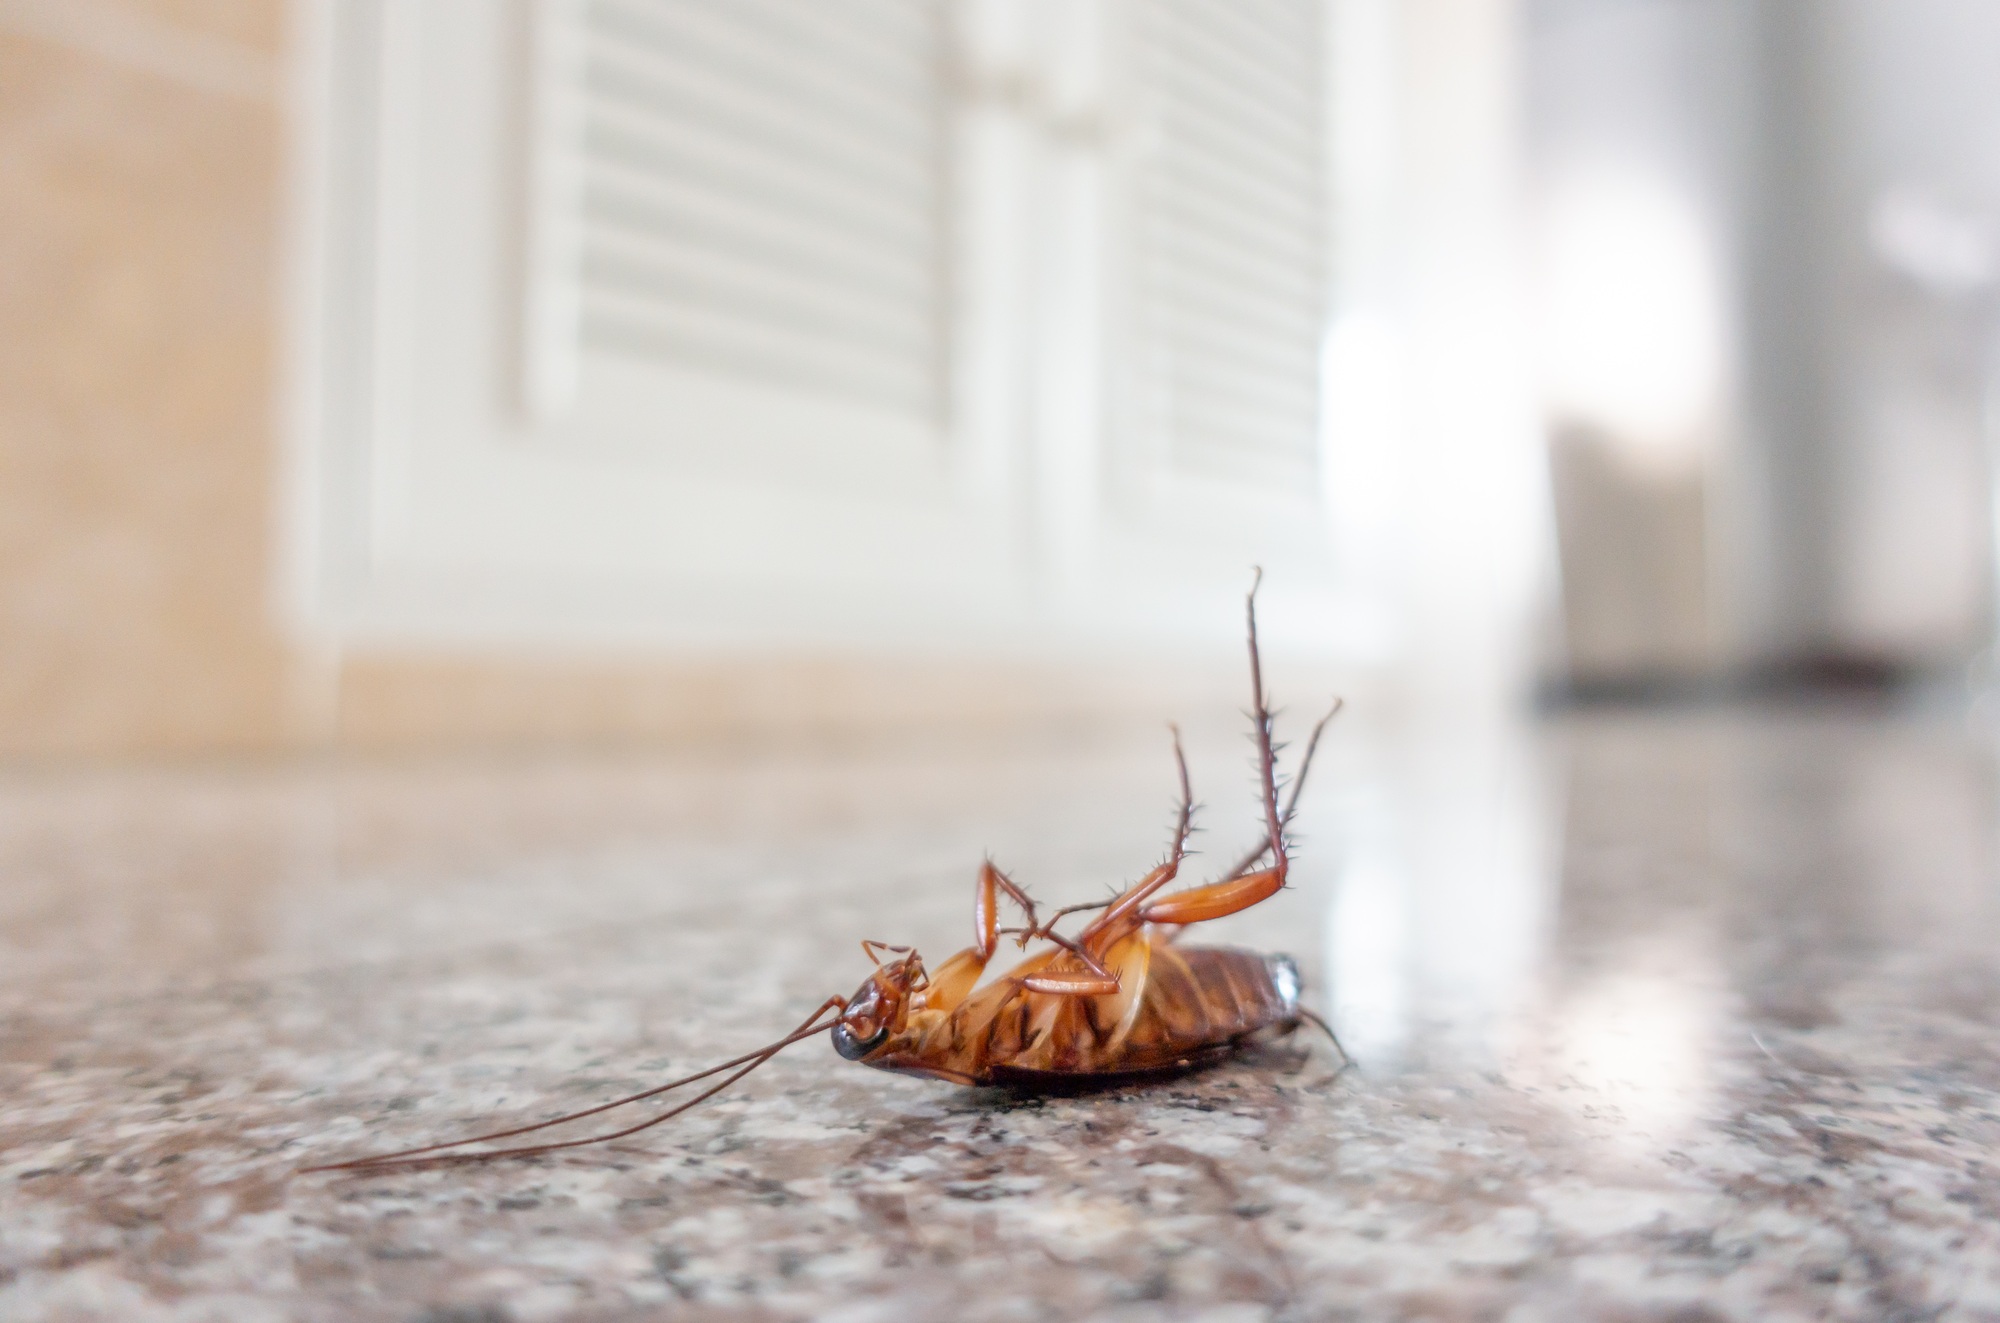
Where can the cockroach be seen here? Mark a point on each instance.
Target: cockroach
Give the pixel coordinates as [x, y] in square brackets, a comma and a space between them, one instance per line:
[1120, 999]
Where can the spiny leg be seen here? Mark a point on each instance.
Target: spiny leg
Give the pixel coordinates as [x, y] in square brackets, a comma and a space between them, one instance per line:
[1263, 847]
[1048, 929]
[1176, 853]
[1088, 949]
[1215, 900]
[1267, 756]
[1093, 980]
[986, 908]
[1239, 890]
[1121, 916]
[956, 977]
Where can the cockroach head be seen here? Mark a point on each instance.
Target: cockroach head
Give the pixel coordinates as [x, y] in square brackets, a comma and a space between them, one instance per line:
[877, 1007]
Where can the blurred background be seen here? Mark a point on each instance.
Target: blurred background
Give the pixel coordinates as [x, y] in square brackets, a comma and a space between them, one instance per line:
[1765, 260]
[528, 526]
[385, 374]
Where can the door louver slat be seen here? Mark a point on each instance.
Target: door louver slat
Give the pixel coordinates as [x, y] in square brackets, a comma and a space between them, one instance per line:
[761, 192]
[1232, 219]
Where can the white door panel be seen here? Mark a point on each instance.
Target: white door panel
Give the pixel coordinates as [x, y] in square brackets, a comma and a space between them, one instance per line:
[881, 320]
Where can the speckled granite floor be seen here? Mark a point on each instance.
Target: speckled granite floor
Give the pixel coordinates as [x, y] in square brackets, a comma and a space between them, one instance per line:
[1658, 1018]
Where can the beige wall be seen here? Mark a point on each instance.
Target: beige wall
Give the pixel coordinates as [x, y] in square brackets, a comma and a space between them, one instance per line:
[139, 159]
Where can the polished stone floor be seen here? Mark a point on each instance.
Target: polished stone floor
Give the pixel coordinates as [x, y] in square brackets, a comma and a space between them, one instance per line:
[1670, 1016]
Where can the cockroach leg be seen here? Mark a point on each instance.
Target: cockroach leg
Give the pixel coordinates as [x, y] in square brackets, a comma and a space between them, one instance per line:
[1216, 900]
[1263, 847]
[1118, 918]
[986, 908]
[954, 980]
[1048, 929]
[1267, 756]
[1081, 983]
[956, 977]
[1093, 980]
[1239, 888]
[1306, 759]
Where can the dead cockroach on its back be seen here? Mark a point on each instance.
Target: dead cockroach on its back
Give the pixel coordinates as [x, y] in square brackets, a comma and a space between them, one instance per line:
[1118, 998]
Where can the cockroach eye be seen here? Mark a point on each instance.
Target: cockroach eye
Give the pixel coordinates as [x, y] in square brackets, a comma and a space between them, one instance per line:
[852, 1048]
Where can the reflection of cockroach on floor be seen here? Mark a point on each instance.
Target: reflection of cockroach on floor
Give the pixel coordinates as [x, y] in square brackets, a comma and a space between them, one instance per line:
[1118, 999]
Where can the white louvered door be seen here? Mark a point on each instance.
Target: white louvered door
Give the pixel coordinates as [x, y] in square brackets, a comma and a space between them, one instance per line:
[953, 322]
[753, 190]
[1218, 257]
[1230, 229]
